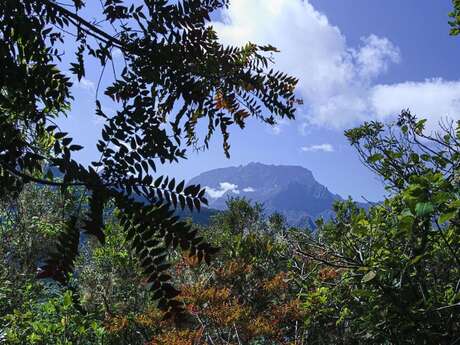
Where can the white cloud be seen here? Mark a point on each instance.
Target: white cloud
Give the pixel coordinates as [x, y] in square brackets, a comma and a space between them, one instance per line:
[375, 56]
[338, 83]
[432, 99]
[249, 190]
[276, 130]
[224, 187]
[321, 147]
[85, 84]
[279, 126]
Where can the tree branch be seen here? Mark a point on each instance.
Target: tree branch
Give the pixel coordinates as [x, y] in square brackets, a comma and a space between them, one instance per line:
[93, 30]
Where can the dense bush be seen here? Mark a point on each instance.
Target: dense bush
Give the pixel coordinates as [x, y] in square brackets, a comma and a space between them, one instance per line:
[386, 275]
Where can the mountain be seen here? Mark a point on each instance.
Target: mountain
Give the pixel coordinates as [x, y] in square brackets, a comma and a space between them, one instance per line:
[290, 190]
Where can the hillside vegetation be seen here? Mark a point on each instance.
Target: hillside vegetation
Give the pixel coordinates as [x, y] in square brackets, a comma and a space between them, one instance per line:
[389, 275]
[97, 253]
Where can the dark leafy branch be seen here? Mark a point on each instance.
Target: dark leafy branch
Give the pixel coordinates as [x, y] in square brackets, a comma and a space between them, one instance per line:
[176, 75]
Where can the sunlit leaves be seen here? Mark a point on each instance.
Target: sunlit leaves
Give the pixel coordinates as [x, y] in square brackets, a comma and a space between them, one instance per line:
[368, 276]
[400, 151]
[409, 240]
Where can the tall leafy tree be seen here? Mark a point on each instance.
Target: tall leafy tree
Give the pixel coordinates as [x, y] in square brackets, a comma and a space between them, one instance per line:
[397, 265]
[176, 75]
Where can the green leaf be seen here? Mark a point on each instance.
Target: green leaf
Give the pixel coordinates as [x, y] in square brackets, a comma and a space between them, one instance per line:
[180, 187]
[455, 204]
[374, 158]
[425, 157]
[447, 216]
[420, 126]
[368, 276]
[75, 147]
[67, 299]
[416, 259]
[423, 209]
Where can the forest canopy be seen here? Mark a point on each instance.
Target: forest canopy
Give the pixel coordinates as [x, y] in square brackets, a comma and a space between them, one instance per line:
[97, 254]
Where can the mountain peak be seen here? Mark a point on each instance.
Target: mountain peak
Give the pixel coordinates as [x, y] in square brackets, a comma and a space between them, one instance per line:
[263, 165]
[256, 174]
[289, 189]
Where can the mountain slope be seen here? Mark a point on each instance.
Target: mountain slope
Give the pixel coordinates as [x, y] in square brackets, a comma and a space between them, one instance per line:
[290, 190]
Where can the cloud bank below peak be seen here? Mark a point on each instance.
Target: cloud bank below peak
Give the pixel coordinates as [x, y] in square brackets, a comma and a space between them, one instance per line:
[226, 187]
[338, 83]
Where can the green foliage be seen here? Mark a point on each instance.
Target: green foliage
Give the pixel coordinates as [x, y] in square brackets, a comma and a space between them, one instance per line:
[388, 275]
[29, 227]
[45, 319]
[241, 217]
[403, 150]
[401, 273]
[240, 289]
[176, 76]
[247, 295]
[400, 261]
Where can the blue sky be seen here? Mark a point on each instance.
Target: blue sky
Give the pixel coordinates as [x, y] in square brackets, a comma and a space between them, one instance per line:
[356, 60]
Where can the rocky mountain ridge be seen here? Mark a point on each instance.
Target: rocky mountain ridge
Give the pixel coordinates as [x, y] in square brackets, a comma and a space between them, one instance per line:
[290, 190]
